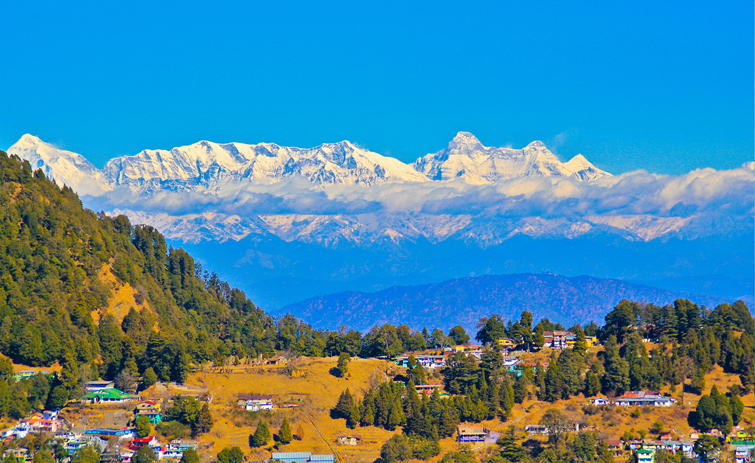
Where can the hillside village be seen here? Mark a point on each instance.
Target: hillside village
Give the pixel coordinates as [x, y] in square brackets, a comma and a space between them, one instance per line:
[83, 423]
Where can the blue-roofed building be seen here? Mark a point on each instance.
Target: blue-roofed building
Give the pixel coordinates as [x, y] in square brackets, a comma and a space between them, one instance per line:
[322, 458]
[301, 457]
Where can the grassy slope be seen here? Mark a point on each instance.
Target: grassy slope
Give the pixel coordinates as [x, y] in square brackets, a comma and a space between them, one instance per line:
[319, 391]
[122, 298]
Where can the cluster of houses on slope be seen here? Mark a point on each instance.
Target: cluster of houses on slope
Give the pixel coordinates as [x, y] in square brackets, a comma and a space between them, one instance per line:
[740, 442]
[553, 339]
[126, 442]
[47, 421]
[565, 339]
[433, 361]
[74, 438]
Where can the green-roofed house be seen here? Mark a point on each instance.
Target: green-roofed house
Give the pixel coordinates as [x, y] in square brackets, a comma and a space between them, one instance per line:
[106, 396]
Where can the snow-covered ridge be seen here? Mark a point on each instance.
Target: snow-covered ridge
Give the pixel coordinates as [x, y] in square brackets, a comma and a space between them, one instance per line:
[465, 157]
[63, 166]
[204, 166]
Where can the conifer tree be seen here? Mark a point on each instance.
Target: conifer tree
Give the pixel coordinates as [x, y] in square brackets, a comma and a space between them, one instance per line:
[261, 436]
[284, 433]
[368, 416]
[189, 456]
[343, 407]
[395, 416]
[343, 364]
[354, 417]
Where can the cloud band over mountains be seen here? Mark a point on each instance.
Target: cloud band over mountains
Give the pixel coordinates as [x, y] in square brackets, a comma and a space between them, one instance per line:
[701, 191]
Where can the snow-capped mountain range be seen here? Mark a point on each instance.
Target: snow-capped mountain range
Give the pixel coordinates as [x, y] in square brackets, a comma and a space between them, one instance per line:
[289, 223]
[340, 194]
[206, 165]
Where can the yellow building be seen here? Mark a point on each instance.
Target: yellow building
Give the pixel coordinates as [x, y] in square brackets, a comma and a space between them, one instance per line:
[505, 343]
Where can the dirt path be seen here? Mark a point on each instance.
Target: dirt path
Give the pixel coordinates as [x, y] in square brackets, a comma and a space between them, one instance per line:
[338, 458]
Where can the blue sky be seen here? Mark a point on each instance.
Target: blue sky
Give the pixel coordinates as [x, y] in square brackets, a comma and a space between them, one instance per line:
[665, 86]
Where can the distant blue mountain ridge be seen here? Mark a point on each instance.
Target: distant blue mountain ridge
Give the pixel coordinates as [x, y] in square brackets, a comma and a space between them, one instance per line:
[463, 301]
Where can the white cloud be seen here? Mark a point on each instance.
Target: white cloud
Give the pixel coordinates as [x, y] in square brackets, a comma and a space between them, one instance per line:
[701, 191]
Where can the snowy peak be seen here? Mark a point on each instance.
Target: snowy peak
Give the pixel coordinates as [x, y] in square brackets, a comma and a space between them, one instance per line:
[465, 157]
[28, 141]
[65, 167]
[464, 143]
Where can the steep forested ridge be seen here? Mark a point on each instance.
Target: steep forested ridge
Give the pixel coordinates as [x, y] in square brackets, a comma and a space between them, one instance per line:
[54, 257]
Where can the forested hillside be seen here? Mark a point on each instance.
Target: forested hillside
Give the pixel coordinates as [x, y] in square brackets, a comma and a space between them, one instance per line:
[56, 306]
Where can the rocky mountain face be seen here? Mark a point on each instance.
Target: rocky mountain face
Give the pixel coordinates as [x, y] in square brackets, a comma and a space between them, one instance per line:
[62, 166]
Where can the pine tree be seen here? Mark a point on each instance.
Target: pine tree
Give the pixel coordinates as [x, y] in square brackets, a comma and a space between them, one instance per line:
[204, 420]
[189, 456]
[368, 414]
[592, 384]
[521, 387]
[354, 417]
[697, 385]
[395, 416]
[284, 433]
[343, 407]
[507, 397]
[143, 428]
[447, 424]
[343, 364]
[261, 436]
[510, 449]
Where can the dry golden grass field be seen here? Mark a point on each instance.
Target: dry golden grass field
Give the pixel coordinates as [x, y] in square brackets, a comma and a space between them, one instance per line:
[307, 381]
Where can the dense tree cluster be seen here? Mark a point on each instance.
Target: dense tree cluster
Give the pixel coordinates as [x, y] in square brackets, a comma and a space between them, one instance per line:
[717, 411]
[392, 404]
[690, 340]
[190, 412]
